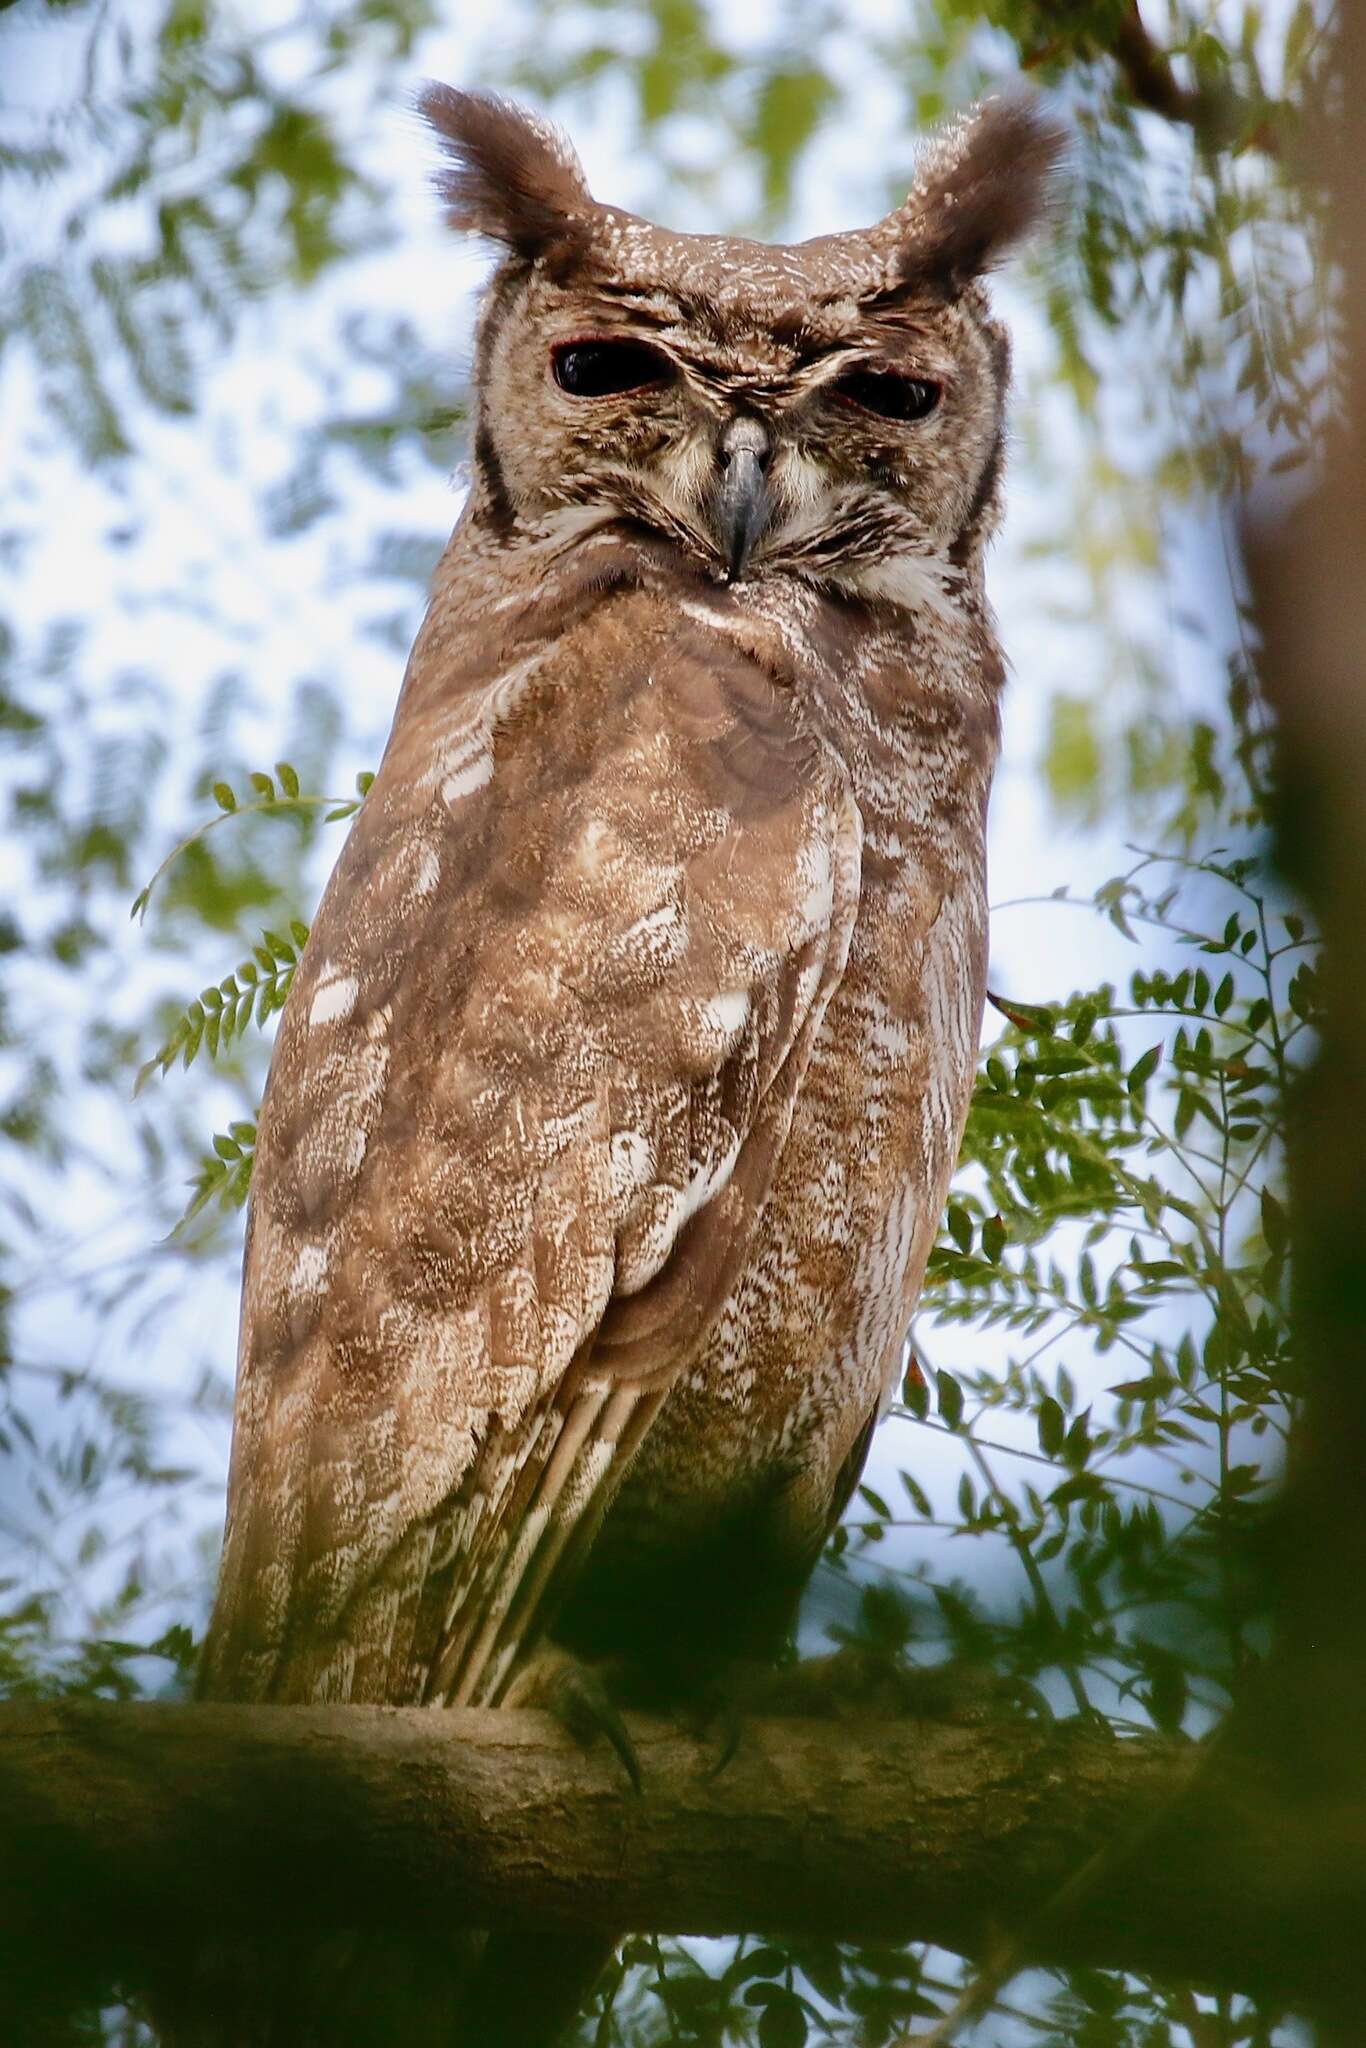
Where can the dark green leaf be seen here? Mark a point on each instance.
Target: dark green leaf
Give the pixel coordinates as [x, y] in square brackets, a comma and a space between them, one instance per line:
[1052, 1426]
[950, 1398]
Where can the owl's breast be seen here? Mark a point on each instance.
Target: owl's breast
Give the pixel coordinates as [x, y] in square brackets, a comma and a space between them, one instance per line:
[752, 1451]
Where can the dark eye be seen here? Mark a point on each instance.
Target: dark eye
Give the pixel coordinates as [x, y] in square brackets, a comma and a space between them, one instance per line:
[887, 393]
[600, 369]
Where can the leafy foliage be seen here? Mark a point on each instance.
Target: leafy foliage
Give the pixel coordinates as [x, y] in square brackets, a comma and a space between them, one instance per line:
[203, 562]
[225, 1174]
[270, 795]
[252, 993]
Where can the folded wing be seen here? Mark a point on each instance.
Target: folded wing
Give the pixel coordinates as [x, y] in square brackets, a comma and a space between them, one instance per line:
[529, 1091]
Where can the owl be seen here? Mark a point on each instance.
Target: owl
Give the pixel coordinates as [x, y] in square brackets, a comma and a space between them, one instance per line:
[613, 1110]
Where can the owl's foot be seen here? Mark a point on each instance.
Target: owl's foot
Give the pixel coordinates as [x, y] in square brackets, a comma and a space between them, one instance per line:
[854, 1683]
[880, 1683]
[577, 1695]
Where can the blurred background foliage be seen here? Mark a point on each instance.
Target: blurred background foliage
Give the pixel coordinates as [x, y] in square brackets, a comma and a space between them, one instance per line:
[230, 403]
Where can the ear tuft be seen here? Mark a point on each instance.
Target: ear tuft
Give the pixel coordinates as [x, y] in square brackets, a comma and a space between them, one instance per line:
[507, 173]
[982, 187]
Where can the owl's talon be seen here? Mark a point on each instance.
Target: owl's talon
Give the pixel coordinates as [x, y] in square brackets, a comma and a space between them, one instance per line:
[726, 1702]
[732, 1730]
[581, 1703]
[855, 1681]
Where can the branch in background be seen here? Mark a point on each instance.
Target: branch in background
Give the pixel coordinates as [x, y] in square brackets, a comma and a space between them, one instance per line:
[1216, 117]
[1153, 84]
[128, 1831]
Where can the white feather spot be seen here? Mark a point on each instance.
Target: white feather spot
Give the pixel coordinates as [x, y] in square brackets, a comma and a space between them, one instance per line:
[705, 614]
[725, 1014]
[598, 847]
[310, 1268]
[705, 1181]
[819, 894]
[653, 923]
[333, 1000]
[569, 523]
[803, 482]
[427, 869]
[889, 1036]
[632, 1162]
[918, 582]
[469, 776]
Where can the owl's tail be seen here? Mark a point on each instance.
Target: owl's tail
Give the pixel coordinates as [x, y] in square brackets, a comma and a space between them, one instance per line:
[529, 1988]
[384, 1991]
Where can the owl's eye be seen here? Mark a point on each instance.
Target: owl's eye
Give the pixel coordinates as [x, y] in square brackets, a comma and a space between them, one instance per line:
[887, 393]
[602, 369]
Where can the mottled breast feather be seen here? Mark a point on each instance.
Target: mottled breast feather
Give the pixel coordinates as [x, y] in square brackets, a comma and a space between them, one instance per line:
[531, 1086]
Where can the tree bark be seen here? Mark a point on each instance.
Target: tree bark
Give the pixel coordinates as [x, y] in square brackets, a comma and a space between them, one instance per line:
[127, 1832]
[1308, 569]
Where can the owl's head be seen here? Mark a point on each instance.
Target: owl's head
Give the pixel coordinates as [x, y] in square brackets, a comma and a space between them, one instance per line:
[831, 408]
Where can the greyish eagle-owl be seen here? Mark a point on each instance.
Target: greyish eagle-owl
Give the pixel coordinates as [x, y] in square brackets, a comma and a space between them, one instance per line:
[614, 1106]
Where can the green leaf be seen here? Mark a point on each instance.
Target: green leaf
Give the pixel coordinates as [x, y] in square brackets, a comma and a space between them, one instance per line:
[919, 1499]
[790, 104]
[950, 1398]
[1154, 1386]
[782, 2024]
[759, 1962]
[915, 1392]
[1052, 1427]
[1275, 1223]
[223, 797]
[1167, 1690]
[1077, 1446]
[1143, 1068]
[1081, 1486]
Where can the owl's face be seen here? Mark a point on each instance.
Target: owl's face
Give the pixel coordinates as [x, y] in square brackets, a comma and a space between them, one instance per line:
[768, 431]
[832, 409]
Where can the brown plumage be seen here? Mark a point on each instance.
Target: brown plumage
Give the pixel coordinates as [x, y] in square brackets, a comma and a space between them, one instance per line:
[615, 1102]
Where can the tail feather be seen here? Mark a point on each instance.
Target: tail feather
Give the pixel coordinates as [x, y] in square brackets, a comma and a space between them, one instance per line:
[529, 1988]
[368, 1990]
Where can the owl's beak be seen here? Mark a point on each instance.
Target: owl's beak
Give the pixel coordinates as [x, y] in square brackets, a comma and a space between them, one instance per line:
[742, 503]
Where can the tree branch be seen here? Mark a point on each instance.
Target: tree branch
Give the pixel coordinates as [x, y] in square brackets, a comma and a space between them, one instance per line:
[127, 1831]
[1215, 114]
[1308, 564]
[1217, 117]
[1153, 84]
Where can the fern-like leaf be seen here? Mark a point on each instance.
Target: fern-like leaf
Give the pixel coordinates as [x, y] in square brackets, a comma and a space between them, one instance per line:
[265, 794]
[221, 1013]
[224, 1176]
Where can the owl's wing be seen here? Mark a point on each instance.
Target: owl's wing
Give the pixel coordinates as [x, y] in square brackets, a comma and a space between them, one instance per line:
[525, 1106]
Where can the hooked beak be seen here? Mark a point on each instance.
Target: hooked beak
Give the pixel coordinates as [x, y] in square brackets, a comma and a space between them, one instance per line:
[742, 501]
